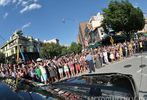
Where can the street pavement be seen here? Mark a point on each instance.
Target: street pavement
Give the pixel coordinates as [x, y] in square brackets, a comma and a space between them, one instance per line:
[139, 75]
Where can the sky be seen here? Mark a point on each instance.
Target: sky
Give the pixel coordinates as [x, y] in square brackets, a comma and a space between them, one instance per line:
[49, 19]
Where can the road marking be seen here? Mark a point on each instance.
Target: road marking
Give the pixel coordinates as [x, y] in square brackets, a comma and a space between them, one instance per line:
[139, 71]
[145, 57]
[144, 74]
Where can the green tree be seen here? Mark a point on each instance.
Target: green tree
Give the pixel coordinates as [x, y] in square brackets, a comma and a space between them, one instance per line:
[64, 50]
[2, 58]
[50, 50]
[74, 47]
[122, 16]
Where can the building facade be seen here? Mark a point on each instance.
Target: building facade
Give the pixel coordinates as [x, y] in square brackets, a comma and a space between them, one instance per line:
[96, 32]
[81, 38]
[91, 32]
[19, 46]
[56, 41]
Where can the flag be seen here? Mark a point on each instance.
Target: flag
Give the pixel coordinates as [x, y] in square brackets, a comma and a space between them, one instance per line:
[111, 40]
[17, 59]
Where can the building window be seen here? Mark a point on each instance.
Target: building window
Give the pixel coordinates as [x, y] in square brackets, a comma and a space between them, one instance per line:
[25, 49]
[12, 51]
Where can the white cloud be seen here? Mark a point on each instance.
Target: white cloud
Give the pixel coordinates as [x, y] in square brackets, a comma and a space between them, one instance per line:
[24, 9]
[35, 0]
[26, 26]
[24, 3]
[135, 4]
[30, 7]
[5, 15]
[14, 1]
[35, 6]
[19, 2]
[4, 2]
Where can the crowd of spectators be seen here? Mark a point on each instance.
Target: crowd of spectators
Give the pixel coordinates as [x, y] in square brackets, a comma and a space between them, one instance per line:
[52, 70]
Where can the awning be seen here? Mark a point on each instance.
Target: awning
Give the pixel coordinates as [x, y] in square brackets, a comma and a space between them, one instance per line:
[97, 44]
[144, 34]
[91, 46]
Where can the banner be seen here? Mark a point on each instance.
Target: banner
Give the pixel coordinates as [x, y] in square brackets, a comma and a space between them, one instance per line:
[17, 59]
[111, 40]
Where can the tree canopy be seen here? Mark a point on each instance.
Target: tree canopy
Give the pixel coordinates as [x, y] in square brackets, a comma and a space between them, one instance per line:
[50, 50]
[76, 48]
[121, 15]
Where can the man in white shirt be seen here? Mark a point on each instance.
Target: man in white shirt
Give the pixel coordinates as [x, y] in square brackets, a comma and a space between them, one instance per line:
[43, 71]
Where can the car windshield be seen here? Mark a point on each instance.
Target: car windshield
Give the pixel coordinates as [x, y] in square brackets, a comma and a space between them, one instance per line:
[99, 85]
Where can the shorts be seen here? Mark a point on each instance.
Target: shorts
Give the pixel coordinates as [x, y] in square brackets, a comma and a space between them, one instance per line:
[72, 68]
[60, 70]
[44, 77]
[66, 70]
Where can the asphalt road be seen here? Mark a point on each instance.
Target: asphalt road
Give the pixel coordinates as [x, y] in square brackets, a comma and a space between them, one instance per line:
[135, 61]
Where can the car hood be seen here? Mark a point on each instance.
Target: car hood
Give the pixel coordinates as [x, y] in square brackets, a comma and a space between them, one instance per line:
[79, 88]
[96, 85]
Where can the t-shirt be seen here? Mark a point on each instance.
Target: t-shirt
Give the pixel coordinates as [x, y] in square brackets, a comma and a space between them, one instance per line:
[42, 69]
[140, 43]
[105, 54]
[89, 57]
[38, 72]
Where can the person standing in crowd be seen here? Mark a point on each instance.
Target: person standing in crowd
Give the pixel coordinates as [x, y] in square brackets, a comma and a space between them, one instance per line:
[60, 70]
[89, 60]
[137, 46]
[71, 65]
[105, 54]
[38, 73]
[140, 46]
[134, 47]
[120, 51]
[43, 71]
[77, 66]
[12, 73]
[117, 55]
[130, 48]
[52, 73]
[82, 63]
[125, 50]
[111, 55]
[97, 60]
[101, 57]
[66, 70]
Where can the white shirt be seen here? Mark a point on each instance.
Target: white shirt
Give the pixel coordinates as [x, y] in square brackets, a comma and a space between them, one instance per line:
[105, 54]
[43, 71]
